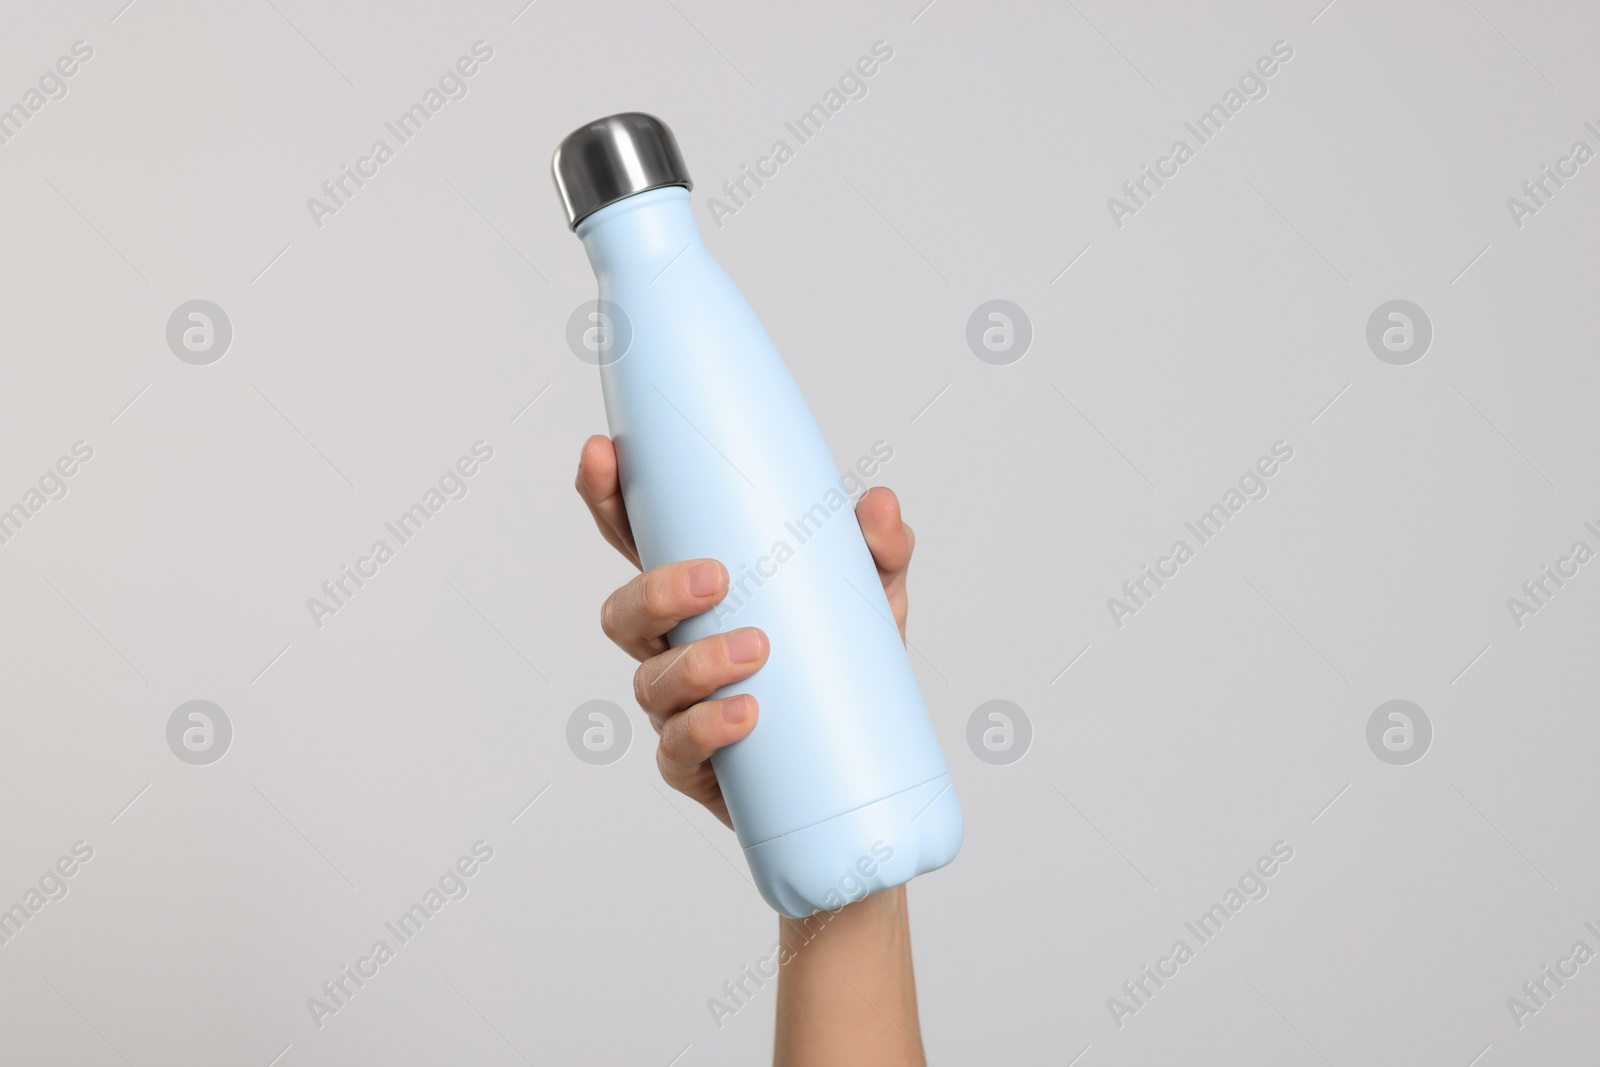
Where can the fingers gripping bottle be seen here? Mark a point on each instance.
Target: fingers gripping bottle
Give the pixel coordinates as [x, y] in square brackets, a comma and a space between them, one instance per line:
[841, 789]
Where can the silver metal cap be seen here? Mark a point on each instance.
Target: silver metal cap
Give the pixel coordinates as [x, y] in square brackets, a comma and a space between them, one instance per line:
[613, 158]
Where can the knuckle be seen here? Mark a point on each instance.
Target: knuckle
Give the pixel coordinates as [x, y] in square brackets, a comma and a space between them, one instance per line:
[609, 622]
[661, 686]
[641, 688]
[669, 751]
[698, 732]
[695, 668]
[653, 594]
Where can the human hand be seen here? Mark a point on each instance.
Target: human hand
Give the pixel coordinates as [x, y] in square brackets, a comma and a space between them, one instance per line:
[672, 684]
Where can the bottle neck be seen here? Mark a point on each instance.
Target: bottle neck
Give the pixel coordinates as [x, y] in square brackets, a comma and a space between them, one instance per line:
[640, 236]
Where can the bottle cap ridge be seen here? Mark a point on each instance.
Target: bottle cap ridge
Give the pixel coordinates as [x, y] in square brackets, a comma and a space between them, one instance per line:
[613, 158]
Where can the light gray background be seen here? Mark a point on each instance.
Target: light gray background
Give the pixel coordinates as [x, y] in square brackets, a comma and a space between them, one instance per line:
[1231, 713]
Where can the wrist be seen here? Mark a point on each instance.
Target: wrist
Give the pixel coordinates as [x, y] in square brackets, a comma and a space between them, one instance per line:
[874, 919]
[846, 991]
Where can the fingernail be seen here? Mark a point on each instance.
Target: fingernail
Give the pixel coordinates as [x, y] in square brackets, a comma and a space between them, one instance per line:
[704, 579]
[744, 645]
[736, 709]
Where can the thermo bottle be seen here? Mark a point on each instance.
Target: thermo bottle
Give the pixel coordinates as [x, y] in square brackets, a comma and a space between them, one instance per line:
[841, 789]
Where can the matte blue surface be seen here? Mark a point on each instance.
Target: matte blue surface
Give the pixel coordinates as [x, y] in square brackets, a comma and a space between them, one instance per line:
[721, 457]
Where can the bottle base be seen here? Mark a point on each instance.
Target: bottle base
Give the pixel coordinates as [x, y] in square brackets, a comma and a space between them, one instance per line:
[874, 847]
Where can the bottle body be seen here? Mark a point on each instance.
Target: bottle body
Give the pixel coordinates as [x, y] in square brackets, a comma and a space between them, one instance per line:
[842, 788]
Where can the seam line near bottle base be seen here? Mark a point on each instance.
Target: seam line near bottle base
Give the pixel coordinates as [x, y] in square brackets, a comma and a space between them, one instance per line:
[858, 807]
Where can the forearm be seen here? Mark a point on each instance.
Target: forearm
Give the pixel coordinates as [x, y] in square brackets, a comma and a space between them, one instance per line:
[846, 993]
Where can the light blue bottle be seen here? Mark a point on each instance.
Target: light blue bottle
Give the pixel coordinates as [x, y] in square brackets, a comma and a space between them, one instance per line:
[841, 789]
